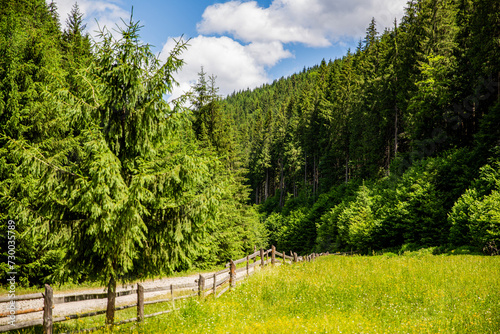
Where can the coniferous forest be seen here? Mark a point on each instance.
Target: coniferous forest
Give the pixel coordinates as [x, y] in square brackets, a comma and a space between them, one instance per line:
[394, 146]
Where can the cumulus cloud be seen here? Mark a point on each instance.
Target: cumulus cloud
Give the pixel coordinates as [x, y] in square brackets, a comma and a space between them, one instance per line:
[311, 22]
[240, 40]
[236, 66]
[96, 13]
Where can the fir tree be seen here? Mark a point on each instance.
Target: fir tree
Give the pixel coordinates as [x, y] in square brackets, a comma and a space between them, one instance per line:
[118, 187]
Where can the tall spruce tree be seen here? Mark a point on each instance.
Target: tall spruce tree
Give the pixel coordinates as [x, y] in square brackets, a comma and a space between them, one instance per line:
[121, 185]
[30, 64]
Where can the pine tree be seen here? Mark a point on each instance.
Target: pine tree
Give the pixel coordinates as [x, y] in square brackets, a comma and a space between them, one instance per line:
[123, 186]
[29, 66]
[76, 41]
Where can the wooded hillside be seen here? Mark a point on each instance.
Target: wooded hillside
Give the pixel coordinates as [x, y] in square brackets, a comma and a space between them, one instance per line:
[395, 143]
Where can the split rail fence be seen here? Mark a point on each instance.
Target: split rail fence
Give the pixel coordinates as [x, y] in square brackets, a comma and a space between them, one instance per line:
[222, 281]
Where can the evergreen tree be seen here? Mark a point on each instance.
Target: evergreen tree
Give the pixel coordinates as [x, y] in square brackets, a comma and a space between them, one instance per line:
[29, 66]
[118, 186]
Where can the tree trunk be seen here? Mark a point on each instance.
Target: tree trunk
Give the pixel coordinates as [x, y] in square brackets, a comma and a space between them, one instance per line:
[266, 194]
[305, 169]
[396, 131]
[347, 169]
[314, 176]
[257, 195]
[110, 311]
[281, 183]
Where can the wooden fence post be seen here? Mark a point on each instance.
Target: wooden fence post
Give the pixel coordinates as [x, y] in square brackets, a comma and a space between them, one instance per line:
[262, 258]
[284, 257]
[248, 265]
[172, 295]
[140, 303]
[48, 302]
[295, 257]
[232, 274]
[215, 285]
[273, 255]
[201, 286]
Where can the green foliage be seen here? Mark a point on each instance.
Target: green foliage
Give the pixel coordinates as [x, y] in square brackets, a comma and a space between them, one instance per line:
[29, 67]
[475, 217]
[356, 221]
[119, 184]
[419, 100]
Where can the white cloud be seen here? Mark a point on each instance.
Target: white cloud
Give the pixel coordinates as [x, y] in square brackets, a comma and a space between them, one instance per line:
[258, 35]
[311, 22]
[236, 66]
[107, 13]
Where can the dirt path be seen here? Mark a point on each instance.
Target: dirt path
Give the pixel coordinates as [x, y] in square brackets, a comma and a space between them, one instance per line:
[85, 306]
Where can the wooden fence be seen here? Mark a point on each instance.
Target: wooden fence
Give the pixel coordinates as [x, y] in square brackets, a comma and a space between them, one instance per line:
[222, 281]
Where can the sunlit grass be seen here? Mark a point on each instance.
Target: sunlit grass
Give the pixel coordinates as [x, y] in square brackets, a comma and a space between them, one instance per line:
[335, 294]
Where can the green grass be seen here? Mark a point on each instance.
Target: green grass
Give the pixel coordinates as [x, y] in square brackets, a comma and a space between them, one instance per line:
[415, 293]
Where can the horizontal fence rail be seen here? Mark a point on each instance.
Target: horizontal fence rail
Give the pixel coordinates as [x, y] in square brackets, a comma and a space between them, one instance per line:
[198, 288]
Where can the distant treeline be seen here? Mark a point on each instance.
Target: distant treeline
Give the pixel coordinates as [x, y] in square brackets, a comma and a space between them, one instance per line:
[395, 143]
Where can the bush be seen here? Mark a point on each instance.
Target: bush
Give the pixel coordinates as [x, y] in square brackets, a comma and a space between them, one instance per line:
[475, 217]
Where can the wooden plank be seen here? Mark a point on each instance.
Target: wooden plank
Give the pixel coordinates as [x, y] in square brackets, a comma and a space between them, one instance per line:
[174, 287]
[240, 278]
[90, 296]
[185, 285]
[90, 314]
[187, 296]
[224, 271]
[22, 297]
[157, 313]
[31, 310]
[254, 255]
[254, 264]
[278, 254]
[222, 291]
[239, 270]
[236, 262]
[222, 281]
[124, 321]
[83, 315]
[157, 301]
[6, 328]
[157, 289]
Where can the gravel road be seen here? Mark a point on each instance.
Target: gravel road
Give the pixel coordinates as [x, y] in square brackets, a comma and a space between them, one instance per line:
[85, 306]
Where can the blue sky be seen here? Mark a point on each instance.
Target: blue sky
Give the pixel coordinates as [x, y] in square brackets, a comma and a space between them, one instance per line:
[244, 43]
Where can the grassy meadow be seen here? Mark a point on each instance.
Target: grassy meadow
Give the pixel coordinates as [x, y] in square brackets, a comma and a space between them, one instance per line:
[413, 293]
